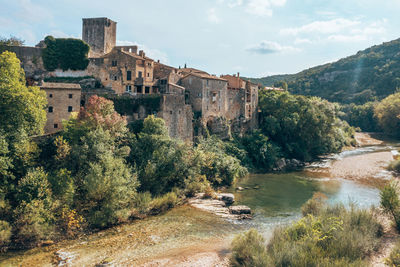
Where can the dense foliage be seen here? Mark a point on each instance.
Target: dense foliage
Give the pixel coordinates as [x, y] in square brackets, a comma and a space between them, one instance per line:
[61, 53]
[371, 74]
[303, 127]
[335, 237]
[93, 174]
[361, 116]
[387, 113]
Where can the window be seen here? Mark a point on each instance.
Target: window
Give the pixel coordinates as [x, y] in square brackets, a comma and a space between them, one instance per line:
[128, 88]
[147, 90]
[50, 109]
[115, 78]
[69, 108]
[114, 63]
[129, 75]
[69, 95]
[170, 112]
[55, 125]
[148, 74]
[214, 97]
[149, 64]
[51, 95]
[140, 74]
[139, 89]
[207, 82]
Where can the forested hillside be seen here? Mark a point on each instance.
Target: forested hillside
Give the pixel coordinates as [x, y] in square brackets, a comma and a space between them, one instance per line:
[371, 74]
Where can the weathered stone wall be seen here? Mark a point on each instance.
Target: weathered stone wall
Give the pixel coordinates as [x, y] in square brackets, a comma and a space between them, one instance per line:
[214, 102]
[194, 88]
[177, 116]
[31, 60]
[100, 34]
[236, 107]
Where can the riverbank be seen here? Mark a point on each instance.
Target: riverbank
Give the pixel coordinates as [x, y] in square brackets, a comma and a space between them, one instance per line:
[186, 236]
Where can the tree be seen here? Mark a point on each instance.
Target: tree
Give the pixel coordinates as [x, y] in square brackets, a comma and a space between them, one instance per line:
[388, 114]
[65, 54]
[12, 41]
[22, 109]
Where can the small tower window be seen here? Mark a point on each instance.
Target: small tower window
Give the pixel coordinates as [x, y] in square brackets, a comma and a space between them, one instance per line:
[69, 108]
[69, 95]
[129, 75]
[55, 125]
[50, 109]
[51, 95]
[114, 63]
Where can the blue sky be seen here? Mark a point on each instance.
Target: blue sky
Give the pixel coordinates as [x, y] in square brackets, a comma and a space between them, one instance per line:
[253, 37]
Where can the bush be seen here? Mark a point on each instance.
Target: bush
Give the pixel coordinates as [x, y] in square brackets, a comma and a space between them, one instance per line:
[394, 257]
[5, 234]
[388, 114]
[337, 235]
[394, 166]
[142, 202]
[34, 222]
[248, 249]
[390, 202]
[314, 205]
[164, 203]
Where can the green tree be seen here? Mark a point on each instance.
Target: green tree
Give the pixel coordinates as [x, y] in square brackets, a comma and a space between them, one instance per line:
[388, 114]
[65, 54]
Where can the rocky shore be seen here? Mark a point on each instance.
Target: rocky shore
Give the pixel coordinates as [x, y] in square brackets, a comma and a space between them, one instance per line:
[221, 205]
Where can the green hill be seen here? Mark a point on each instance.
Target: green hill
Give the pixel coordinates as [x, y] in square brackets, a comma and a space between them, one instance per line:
[371, 74]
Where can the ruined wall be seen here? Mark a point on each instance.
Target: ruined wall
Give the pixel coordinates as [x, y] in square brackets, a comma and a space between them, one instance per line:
[236, 107]
[194, 88]
[31, 60]
[177, 116]
[100, 34]
[214, 102]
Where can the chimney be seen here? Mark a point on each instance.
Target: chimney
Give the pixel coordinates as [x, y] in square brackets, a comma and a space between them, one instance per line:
[238, 74]
[158, 61]
[141, 53]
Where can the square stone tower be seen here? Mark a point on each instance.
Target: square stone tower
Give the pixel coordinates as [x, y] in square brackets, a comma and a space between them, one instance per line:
[100, 34]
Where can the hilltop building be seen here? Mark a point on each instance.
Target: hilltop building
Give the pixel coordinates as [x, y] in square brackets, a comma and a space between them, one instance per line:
[63, 99]
[192, 102]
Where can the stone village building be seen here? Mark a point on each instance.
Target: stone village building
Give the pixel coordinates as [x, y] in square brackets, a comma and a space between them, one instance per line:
[192, 101]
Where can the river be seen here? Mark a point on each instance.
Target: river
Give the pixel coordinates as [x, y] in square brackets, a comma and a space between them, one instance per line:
[186, 236]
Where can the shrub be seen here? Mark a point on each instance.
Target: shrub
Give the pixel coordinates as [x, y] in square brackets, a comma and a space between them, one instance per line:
[70, 221]
[33, 223]
[5, 234]
[142, 202]
[394, 257]
[394, 166]
[314, 205]
[248, 249]
[164, 203]
[388, 114]
[390, 202]
[334, 237]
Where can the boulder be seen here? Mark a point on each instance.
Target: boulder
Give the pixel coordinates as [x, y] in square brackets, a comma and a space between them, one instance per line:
[281, 164]
[239, 210]
[226, 197]
[239, 188]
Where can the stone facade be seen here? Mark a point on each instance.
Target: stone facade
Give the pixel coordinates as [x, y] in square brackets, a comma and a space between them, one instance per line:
[124, 71]
[62, 98]
[192, 102]
[100, 34]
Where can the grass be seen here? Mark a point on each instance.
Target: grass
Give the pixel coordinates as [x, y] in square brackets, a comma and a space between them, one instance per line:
[335, 237]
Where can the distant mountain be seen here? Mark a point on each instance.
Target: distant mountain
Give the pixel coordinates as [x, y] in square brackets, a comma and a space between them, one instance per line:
[373, 73]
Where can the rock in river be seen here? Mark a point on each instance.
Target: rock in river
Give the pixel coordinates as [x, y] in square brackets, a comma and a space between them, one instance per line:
[226, 197]
[239, 210]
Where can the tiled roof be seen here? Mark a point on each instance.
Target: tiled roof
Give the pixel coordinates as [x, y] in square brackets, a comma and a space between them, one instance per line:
[60, 86]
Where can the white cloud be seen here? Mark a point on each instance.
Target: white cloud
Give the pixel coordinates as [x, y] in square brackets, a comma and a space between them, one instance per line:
[302, 41]
[150, 52]
[268, 47]
[263, 7]
[212, 16]
[30, 12]
[324, 27]
[336, 30]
